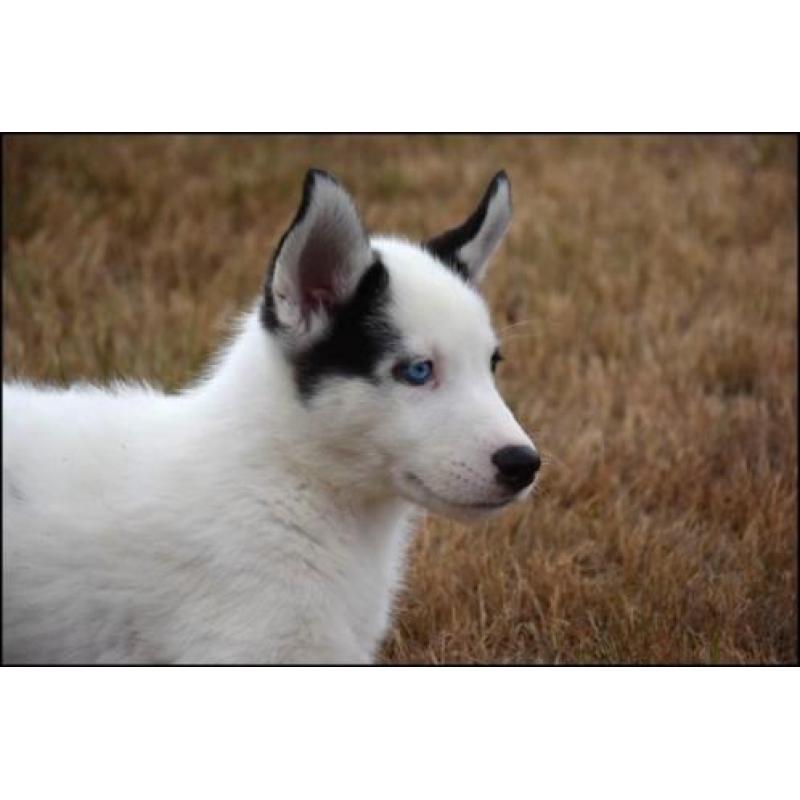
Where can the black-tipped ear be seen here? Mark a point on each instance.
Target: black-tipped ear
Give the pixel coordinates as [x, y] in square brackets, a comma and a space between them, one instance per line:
[468, 248]
[320, 259]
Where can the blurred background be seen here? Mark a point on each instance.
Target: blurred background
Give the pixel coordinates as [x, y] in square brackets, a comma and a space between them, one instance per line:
[647, 299]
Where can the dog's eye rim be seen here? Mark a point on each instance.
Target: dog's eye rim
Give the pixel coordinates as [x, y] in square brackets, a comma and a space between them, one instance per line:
[413, 371]
[496, 358]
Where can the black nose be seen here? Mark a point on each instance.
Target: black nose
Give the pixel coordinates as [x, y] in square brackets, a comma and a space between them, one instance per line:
[516, 466]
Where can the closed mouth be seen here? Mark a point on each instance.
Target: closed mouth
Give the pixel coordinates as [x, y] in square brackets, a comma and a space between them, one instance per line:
[473, 506]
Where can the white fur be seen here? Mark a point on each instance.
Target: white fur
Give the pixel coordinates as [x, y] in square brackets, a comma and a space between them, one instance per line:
[232, 522]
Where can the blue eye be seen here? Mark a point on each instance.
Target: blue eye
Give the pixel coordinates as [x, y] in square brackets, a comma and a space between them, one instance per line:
[414, 372]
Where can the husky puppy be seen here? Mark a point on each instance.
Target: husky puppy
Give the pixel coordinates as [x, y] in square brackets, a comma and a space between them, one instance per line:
[262, 514]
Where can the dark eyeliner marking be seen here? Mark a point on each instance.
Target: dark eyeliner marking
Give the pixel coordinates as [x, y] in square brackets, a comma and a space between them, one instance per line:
[497, 357]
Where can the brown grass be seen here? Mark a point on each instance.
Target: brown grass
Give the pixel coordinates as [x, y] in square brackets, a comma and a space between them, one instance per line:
[649, 288]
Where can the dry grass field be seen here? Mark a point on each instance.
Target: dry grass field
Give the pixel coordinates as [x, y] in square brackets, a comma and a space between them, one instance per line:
[648, 296]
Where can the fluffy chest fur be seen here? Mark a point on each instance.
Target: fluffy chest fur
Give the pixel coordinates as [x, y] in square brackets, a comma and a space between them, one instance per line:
[164, 529]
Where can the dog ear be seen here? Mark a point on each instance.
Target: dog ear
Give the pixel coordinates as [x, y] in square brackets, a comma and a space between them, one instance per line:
[319, 260]
[468, 248]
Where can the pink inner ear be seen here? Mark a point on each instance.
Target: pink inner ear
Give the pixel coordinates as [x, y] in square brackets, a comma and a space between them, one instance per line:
[318, 298]
[317, 274]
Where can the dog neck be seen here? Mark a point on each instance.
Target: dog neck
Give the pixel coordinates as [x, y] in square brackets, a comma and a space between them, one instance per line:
[251, 408]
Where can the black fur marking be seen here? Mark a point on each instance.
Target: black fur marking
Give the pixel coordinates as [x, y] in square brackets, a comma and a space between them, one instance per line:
[446, 245]
[360, 332]
[497, 357]
[269, 317]
[360, 335]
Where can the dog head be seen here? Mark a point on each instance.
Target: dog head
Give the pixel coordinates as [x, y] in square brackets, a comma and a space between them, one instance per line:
[392, 353]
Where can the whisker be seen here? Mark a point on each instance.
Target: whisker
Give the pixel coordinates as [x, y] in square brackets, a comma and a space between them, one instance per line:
[548, 457]
[515, 325]
[516, 336]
